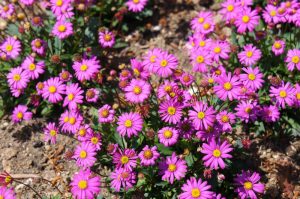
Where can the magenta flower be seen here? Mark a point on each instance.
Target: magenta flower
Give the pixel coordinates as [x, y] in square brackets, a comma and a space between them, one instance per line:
[62, 29]
[247, 111]
[74, 96]
[39, 46]
[297, 94]
[11, 47]
[215, 152]
[168, 136]
[139, 70]
[230, 9]
[83, 131]
[149, 60]
[58, 7]
[137, 91]
[227, 87]
[247, 20]
[253, 79]
[18, 78]
[34, 69]
[250, 55]
[65, 76]
[202, 115]
[84, 155]
[212, 132]
[106, 114]
[85, 185]
[278, 47]
[106, 39]
[203, 23]
[165, 64]
[270, 113]
[136, 5]
[166, 88]
[293, 59]
[53, 90]
[270, 14]
[7, 193]
[20, 113]
[194, 188]
[172, 168]
[170, 111]
[70, 121]
[129, 124]
[51, 131]
[122, 178]
[94, 139]
[148, 155]
[27, 2]
[186, 79]
[247, 184]
[86, 68]
[92, 95]
[6, 11]
[226, 119]
[285, 94]
[220, 49]
[186, 128]
[125, 159]
[200, 59]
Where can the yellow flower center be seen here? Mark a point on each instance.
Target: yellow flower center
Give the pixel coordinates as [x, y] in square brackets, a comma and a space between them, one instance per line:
[82, 132]
[7, 179]
[37, 43]
[225, 118]
[210, 80]
[52, 133]
[248, 185]
[104, 113]
[164, 63]
[62, 28]
[20, 115]
[83, 67]
[124, 159]
[9, 48]
[245, 19]
[59, 3]
[202, 43]
[136, 1]
[66, 119]
[168, 134]
[168, 88]
[201, 20]
[196, 193]
[298, 96]
[201, 115]
[71, 96]
[171, 110]
[249, 54]
[218, 72]
[206, 26]
[82, 184]
[32, 67]
[128, 123]
[217, 49]
[200, 59]
[227, 86]
[17, 77]
[72, 120]
[82, 154]
[136, 72]
[94, 140]
[251, 76]
[277, 45]
[186, 78]
[148, 154]
[273, 13]
[137, 90]
[282, 94]
[1, 197]
[216, 153]
[172, 167]
[52, 89]
[288, 4]
[5, 8]
[107, 37]
[230, 8]
[152, 58]
[295, 59]
[248, 110]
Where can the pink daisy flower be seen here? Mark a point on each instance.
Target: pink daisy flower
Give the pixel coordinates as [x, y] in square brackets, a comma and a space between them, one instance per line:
[33, 68]
[253, 79]
[166, 88]
[129, 124]
[170, 111]
[139, 70]
[137, 91]
[202, 18]
[186, 79]
[53, 90]
[165, 64]
[247, 20]
[247, 184]
[200, 59]
[125, 159]
[85, 185]
[39, 46]
[7, 193]
[67, 14]
[297, 94]
[202, 115]
[226, 119]
[215, 152]
[247, 111]
[74, 96]
[6, 11]
[122, 178]
[65, 76]
[220, 49]
[270, 14]
[18, 78]
[83, 131]
[172, 168]
[106, 114]
[168, 136]
[50, 132]
[86, 68]
[62, 29]
[149, 60]
[94, 139]
[186, 128]
[84, 155]
[70, 121]
[11, 47]
[20, 113]
[148, 155]
[212, 132]
[58, 7]
[250, 55]
[16, 92]
[278, 47]
[194, 188]
[227, 87]
[293, 59]
[40, 87]
[92, 95]
[136, 5]
[270, 113]
[229, 10]
[106, 39]
[285, 94]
